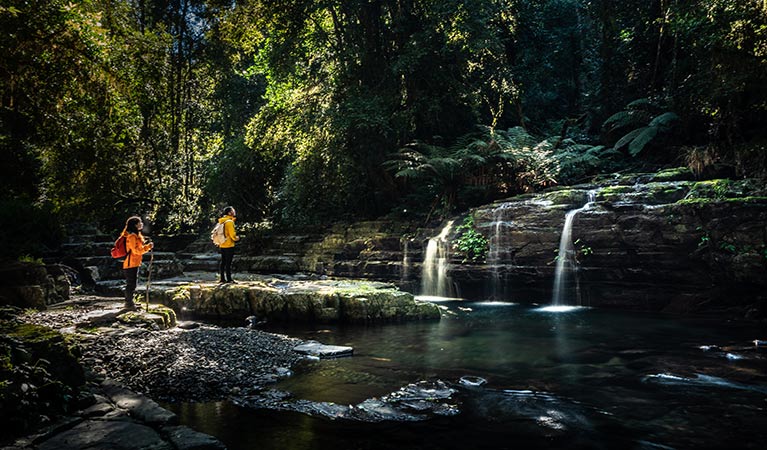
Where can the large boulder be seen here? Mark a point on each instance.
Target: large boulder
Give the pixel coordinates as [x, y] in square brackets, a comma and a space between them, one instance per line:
[321, 301]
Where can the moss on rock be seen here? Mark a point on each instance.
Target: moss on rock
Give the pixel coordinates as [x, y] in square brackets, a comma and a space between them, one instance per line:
[39, 372]
[321, 302]
[673, 174]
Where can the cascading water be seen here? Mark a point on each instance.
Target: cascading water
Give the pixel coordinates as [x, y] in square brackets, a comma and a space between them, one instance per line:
[405, 272]
[495, 254]
[434, 279]
[566, 256]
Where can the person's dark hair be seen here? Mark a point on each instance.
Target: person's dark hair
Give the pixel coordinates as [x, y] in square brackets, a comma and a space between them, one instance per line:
[131, 225]
[228, 209]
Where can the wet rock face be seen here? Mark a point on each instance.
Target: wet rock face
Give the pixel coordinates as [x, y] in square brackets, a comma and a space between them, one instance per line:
[655, 246]
[660, 241]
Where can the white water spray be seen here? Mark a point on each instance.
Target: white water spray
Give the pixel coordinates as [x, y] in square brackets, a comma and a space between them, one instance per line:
[498, 288]
[566, 254]
[434, 279]
[405, 272]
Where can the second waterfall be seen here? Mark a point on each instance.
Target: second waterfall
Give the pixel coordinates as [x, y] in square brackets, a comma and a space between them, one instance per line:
[566, 258]
[434, 279]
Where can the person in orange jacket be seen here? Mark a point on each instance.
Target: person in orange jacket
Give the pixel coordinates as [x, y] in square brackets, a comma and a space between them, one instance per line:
[136, 246]
[227, 248]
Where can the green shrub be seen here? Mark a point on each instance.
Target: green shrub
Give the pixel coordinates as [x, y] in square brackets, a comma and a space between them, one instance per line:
[470, 243]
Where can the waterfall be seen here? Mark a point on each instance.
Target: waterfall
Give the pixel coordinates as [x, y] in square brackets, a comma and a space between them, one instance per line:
[434, 279]
[494, 254]
[405, 272]
[566, 255]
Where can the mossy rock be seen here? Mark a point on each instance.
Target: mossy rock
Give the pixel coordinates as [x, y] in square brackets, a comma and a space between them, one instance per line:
[613, 194]
[673, 174]
[39, 374]
[566, 197]
[161, 316]
[61, 352]
[323, 301]
[711, 189]
[657, 193]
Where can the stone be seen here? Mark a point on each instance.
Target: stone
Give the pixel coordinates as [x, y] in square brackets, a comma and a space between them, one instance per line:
[314, 348]
[97, 410]
[138, 406]
[185, 438]
[107, 435]
[187, 325]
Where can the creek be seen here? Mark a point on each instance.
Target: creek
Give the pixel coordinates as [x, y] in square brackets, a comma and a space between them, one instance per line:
[587, 378]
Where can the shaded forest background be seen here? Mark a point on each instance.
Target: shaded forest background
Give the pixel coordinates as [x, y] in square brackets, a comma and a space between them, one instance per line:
[301, 112]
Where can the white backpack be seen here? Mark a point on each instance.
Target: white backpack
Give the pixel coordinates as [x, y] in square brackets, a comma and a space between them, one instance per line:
[217, 235]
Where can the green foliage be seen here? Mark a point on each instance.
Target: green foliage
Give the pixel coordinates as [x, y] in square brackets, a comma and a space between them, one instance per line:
[290, 110]
[493, 161]
[31, 260]
[469, 242]
[643, 127]
[577, 162]
[582, 249]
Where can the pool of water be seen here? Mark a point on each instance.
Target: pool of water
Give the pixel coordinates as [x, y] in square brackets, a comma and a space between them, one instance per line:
[580, 378]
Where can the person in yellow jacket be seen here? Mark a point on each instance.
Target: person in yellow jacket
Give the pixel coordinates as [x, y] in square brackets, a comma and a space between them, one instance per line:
[227, 248]
[136, 247]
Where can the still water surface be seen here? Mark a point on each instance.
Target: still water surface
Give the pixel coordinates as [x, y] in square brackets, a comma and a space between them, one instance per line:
[585, 378]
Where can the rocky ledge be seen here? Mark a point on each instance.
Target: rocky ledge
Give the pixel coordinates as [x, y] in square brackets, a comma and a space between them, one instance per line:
[326, 301]
[117, 419]
[117, 360]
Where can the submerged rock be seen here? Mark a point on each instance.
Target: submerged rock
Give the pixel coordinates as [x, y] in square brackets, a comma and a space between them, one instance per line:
[314, 348]
[414, 402]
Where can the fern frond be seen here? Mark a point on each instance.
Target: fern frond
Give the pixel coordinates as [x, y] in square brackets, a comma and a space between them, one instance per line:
[596, 150]
[641, 103]
[622, 142]
[664, 121]
[576, 148]
[642, 139]
[626, 118]
[514, 137]
[408, 173]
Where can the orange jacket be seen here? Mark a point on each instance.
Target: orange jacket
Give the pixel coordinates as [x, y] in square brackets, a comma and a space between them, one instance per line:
[134, 243]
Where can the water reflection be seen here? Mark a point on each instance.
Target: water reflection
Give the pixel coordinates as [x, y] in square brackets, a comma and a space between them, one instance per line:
[587, 378]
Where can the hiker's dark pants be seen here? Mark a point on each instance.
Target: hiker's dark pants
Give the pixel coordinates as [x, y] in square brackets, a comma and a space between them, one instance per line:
[131, 278]
[225, 269]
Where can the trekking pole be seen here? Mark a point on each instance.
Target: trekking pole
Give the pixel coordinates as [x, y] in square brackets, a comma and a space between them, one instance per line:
[149, 277]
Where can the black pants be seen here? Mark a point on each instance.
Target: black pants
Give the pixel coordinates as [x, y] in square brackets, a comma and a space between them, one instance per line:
[131, 278]
[225, 269]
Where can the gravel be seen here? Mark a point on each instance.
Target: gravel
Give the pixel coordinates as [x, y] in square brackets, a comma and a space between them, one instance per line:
[203, 364]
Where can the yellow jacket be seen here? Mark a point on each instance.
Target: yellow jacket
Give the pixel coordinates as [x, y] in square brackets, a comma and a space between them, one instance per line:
[134, 243]
[229, 233]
